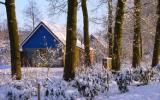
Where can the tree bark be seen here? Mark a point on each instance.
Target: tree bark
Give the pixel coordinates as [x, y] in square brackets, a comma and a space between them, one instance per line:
[117, 48]
[110, 34]
[70, 56]
[14, 39]
[156, 52]
[86, 33]
[137, 47]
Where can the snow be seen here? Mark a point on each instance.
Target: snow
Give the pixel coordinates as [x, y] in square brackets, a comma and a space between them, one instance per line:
[147, 92]
[53, 87]
[60, 32]
[4, 66]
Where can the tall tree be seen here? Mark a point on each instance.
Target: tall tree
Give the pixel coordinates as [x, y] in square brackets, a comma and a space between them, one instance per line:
[117, 48]
[14, 39]
[156, 52]
[71, 39]
[32, 14]
[86, 32]
[137, 34]
[110, 34]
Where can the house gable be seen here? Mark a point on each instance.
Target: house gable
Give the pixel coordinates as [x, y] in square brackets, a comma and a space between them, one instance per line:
[41, 37]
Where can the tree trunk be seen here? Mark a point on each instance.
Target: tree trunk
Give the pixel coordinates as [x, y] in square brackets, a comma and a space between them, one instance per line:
[110, 34]
[14, 39]
[156, 52]
[70, 56]
[137, 50]
[117, 48]
[86, 33]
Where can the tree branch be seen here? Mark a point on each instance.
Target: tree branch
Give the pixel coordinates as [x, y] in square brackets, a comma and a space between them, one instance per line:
[2, 3]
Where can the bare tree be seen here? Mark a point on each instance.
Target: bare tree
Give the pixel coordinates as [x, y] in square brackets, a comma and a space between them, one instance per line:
[137, 41]
[156, 53]
[70, 55]
[117, 48]
[14, 39]
[32, 13]
[86, 32]
[57, 7]
[110, 34]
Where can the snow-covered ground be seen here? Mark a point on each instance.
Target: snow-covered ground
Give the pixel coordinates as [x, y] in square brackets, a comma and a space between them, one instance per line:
[53, 87]
[147, 92]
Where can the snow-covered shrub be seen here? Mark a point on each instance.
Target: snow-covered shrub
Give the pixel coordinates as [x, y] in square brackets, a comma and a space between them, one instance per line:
[91, 81]
[142, 75]
[156, 73]
[59, 90]
[4, 56]
[15, 94]
[49, 57]
[123, 80]
[158, 67]
[19, 90]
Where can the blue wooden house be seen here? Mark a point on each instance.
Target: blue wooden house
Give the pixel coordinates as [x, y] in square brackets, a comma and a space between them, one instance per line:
[42, 37]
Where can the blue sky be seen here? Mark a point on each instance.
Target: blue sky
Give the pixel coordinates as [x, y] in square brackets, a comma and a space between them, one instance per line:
[21, 4]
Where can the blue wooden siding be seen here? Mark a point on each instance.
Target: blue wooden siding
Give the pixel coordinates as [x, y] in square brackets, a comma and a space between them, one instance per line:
[42, 38]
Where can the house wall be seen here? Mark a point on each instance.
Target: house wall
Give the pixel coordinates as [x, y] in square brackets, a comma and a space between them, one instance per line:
[92, 56]
[41, 57]
[99, 50]
[42, 38]
[30, 58]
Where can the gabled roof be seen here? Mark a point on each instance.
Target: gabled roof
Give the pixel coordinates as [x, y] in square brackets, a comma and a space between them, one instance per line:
[99, 39]
[56, 30]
